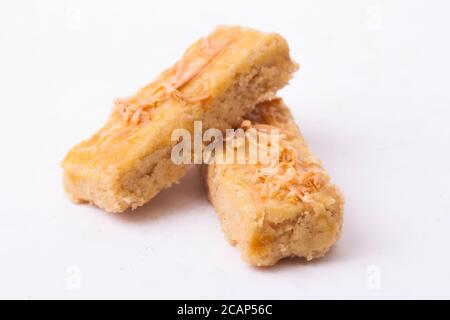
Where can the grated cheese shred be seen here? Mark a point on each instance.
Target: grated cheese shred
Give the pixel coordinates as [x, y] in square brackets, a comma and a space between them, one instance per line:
[285, 177]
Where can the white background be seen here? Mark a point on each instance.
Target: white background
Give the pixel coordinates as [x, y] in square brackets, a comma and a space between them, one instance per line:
[372, 98]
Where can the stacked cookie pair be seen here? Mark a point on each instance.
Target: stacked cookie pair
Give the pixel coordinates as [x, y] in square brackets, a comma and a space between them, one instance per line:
[283, 208]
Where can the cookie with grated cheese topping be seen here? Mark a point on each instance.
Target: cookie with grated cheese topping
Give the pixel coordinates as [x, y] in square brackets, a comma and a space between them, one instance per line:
[277, 209]
[218, 80]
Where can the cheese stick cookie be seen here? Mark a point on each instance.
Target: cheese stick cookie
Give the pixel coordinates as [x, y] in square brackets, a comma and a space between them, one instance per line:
[283, 208]
[219, 79]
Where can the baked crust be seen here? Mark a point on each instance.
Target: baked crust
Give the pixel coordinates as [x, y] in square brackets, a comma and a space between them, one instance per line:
[218, 80]
[290, 210]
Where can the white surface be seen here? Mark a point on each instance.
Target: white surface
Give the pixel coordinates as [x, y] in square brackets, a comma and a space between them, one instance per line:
[372, 99]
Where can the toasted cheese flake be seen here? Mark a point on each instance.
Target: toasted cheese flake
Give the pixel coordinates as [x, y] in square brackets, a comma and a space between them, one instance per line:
[136, 109]
[257, 201]
[284, 177]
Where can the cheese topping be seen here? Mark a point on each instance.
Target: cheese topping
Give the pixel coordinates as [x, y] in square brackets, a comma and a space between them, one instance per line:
[285, 177]
[135, 109]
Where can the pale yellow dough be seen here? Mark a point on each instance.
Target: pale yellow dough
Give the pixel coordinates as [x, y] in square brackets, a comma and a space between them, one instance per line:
[219, 80]
[292, 212]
